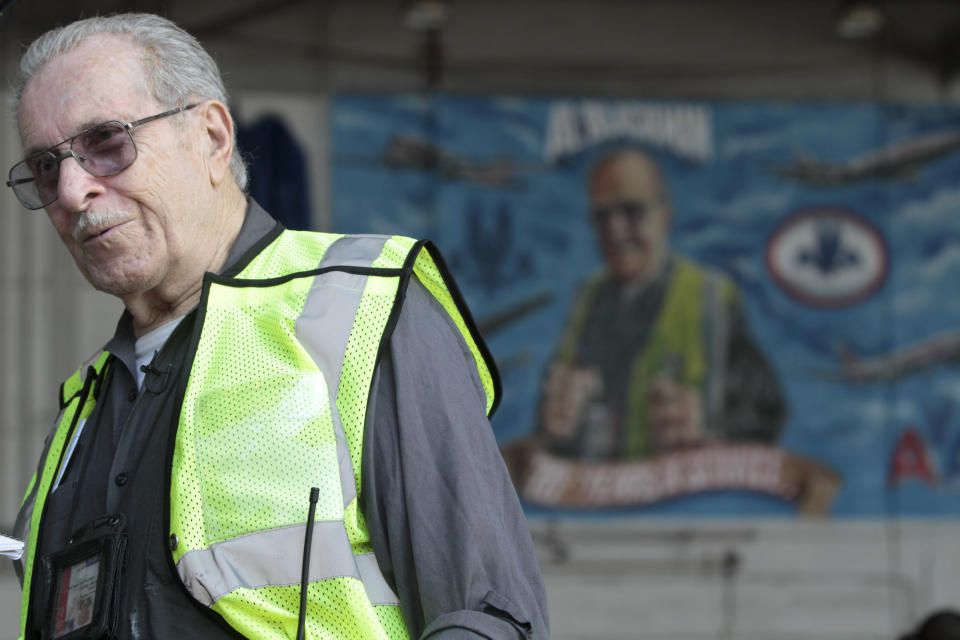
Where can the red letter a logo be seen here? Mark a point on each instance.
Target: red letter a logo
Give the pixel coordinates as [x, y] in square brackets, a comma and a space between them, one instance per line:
[911, 460]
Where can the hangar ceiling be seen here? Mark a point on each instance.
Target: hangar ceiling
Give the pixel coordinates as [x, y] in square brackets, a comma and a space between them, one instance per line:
[645, 48]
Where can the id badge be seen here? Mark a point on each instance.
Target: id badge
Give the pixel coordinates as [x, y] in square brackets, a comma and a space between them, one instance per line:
[76, 595]
[84, 579]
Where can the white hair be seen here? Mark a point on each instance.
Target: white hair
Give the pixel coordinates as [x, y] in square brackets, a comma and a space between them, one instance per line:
[176, 67]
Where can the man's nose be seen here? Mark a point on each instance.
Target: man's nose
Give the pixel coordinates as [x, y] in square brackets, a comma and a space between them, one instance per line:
[76, 186]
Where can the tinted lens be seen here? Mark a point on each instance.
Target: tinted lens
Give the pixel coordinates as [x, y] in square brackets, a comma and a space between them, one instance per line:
[34, 180]
[46, 173]
[105, 150]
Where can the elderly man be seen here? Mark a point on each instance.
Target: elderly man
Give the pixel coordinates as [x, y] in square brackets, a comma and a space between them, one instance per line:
[656, 355]
[273, 442]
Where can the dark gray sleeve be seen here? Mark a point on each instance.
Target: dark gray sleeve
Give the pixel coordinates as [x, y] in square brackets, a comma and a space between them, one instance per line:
[446, 525]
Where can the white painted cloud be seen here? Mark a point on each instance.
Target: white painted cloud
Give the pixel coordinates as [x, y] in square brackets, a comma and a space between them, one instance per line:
[943, 206]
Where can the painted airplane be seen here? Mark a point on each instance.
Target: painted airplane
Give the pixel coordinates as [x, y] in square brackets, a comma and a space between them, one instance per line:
[898, 161]
[407, 152]
[944, 347]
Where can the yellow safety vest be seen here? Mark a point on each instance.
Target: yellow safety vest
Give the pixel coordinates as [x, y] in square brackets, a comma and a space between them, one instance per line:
[275, 403]
[687, 343]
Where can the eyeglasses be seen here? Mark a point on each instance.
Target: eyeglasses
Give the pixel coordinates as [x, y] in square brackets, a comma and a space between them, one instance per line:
[633, 210]
[103, 150]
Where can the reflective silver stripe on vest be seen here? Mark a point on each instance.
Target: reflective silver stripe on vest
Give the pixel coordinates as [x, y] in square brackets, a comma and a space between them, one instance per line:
[378, 591]
[332, 302]
[715, 320]
[273, 559]
[354, 251]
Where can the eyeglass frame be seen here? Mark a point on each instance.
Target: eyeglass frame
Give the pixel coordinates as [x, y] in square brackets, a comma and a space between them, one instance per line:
[60, 157]
[635, 210]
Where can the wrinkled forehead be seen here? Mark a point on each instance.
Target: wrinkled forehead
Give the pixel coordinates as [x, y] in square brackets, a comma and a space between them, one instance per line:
[100, 79]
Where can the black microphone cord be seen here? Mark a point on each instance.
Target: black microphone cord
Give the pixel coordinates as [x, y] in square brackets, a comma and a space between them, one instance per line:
[305, 575]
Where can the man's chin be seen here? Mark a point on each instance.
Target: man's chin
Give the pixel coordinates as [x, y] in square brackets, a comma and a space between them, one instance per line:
[116, 284]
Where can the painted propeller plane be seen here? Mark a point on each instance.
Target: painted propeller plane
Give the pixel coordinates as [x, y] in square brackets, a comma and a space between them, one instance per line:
[898, 161]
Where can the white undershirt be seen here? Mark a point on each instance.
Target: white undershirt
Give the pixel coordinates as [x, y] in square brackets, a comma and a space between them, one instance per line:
[148, 344]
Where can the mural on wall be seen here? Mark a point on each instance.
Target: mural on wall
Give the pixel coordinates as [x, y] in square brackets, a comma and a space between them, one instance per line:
[696, 308]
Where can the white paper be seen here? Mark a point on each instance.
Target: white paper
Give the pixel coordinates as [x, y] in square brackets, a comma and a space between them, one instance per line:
[11, 547]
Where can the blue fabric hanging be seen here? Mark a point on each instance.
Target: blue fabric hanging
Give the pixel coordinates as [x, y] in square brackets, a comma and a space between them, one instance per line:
[278, 173]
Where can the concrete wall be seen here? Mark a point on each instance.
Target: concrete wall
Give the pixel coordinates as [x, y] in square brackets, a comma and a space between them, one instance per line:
[752, 580]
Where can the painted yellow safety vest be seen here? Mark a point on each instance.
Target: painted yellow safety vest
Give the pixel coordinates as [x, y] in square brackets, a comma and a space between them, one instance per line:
[687, 343]
[275, 404]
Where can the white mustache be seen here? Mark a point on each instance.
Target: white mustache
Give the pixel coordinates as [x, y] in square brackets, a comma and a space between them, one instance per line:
[96, 220]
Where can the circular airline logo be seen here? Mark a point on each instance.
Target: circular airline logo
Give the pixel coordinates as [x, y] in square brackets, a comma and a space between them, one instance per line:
[827, 257]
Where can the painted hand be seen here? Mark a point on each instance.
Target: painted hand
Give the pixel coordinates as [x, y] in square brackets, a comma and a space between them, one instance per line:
[566, 391]
[675, 416]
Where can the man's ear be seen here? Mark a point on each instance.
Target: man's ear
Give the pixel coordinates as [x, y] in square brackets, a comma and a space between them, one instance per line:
[218, 127]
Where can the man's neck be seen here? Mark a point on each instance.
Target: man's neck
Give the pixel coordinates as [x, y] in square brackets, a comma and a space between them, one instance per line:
[631, 288]
[180, 291]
